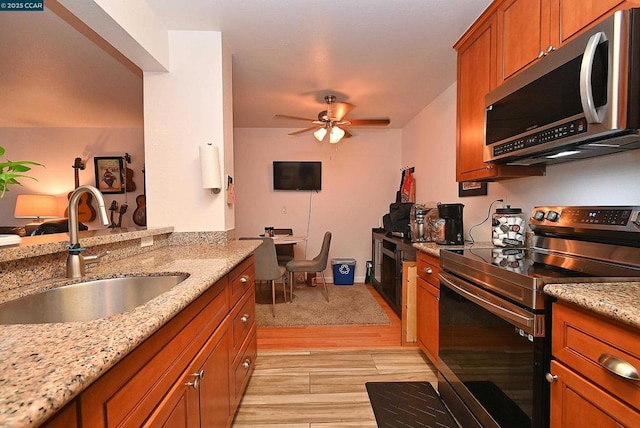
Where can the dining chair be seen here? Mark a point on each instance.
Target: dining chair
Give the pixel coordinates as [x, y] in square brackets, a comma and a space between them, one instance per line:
[284, 251]
[318, 265]
[267, 268]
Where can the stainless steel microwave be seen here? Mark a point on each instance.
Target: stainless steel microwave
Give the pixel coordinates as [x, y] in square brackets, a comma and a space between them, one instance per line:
[580, 101]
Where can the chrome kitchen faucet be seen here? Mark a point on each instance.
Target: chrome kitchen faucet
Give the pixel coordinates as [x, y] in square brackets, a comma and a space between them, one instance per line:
[76, 261]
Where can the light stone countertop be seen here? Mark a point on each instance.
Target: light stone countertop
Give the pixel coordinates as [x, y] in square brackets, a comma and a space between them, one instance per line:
[43, 366]
[619, 301]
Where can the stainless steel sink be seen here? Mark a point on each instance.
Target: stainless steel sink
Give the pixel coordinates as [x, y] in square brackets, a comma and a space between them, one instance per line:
[87, 300]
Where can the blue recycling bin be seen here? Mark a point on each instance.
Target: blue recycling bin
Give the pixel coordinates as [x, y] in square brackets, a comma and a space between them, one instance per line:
[343, 271]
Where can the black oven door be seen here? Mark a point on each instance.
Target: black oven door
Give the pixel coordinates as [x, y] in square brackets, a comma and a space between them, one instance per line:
[493, 356]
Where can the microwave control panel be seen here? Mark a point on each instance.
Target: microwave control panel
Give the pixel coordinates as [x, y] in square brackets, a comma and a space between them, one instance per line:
[558, 132]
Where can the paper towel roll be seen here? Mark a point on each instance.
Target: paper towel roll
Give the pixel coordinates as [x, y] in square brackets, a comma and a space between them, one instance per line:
[210, 167]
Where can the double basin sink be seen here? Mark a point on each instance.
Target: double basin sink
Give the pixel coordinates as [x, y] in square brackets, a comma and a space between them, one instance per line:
[87, 300]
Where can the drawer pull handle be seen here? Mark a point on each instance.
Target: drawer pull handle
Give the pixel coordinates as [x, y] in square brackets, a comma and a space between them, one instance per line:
[247, 363]
[199, 375]
[245, 318]
[428, 270]
[195, 384]
[619, 367]
[244, 279]
[551, 377]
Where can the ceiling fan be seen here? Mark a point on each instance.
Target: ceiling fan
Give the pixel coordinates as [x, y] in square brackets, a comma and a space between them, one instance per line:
[332, 122]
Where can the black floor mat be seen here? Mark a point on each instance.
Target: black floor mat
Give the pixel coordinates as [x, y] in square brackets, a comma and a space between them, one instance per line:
[408, 404]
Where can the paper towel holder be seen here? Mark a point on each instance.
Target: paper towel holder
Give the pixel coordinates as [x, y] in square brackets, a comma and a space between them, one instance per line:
[210, 168]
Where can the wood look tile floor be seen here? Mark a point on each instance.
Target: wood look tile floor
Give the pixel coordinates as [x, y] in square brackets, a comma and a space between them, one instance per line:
[314, 377]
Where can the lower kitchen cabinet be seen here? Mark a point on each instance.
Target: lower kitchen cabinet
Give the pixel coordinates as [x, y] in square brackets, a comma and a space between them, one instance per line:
[187, 373]
[201, 395]
[428, 312]
[588, 350]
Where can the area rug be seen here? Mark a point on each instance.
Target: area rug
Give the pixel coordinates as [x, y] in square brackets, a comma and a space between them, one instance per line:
[347, 305]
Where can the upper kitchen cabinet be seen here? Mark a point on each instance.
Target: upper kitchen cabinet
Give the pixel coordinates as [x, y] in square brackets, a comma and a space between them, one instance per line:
[528, 30]
[523, 34]
[477, 75]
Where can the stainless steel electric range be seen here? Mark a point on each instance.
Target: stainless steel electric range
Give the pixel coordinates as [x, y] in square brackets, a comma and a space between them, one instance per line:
[495, 319]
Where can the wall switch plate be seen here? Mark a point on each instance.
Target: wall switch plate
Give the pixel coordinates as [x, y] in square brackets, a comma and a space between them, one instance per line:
[146, 241]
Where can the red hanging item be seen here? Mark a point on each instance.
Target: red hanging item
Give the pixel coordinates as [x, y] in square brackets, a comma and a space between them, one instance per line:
[408, 189]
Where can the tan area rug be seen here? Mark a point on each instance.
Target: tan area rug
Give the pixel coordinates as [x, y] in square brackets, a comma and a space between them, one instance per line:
[347, 305]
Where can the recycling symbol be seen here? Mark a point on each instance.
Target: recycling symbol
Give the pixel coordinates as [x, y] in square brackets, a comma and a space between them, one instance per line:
[344, 269]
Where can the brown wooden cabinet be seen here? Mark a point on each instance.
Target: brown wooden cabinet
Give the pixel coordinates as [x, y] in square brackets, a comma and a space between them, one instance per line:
[477, 75]
[523, 34]
[528, 30]
[583, 391]
[185, 374]
[510, 36]
[428, 313]
[569, 18]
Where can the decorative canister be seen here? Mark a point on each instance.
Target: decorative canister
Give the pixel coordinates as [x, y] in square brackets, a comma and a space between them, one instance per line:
[508, 227]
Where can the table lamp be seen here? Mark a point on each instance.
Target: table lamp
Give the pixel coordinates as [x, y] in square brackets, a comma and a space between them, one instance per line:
[37, 207]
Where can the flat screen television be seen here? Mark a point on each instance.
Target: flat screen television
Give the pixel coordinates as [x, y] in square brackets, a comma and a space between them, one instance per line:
[292, 175]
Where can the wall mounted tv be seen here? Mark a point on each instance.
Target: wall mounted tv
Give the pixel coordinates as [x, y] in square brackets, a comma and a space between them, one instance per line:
[289, 175]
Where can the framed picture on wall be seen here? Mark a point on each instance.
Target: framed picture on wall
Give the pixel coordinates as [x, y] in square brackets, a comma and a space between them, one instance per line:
[472, 188]
[109, 170]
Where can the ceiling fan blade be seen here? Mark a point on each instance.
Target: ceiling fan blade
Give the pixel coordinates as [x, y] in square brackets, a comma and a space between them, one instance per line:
[336, 111]
[304, 130]
[369, 122]
[286, 116]
[347, 134]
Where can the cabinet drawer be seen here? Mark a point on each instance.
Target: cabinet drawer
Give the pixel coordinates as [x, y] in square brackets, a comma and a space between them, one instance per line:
[243, 318]
[242, 278]
[580, 340]
[243, 366]
[429, 268]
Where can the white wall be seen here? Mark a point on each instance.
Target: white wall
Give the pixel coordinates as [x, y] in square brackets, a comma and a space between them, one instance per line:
[359, 180]
[57, 149]
[183, 109]
[428, 142]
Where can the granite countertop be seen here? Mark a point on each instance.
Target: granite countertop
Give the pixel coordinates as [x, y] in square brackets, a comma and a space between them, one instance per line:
[619, 301]
[43, 366]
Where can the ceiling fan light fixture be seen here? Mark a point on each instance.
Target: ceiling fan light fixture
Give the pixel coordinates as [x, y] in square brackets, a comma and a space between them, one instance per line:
[336, 135]
[320, 133]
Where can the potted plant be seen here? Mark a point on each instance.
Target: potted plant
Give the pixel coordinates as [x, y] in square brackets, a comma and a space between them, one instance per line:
[12, 171]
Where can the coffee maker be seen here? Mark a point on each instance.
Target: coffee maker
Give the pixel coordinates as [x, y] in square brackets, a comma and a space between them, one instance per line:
[453, 228]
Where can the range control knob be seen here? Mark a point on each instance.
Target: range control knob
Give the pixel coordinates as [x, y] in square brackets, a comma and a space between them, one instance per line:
[553, 216]
[538, 215]
[636, 220]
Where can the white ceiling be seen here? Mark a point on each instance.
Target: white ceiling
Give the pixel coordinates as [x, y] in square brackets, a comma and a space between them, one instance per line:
[388, 57]
[53, 76]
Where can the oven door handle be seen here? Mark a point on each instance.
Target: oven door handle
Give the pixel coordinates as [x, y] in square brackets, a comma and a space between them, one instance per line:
[526, 322]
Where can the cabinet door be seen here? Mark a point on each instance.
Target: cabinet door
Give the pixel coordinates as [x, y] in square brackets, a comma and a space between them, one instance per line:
[179, 409]
[570, 17]
[576, 402]
[428, 319]
[476, 77]
[523, 34]
[214, 388]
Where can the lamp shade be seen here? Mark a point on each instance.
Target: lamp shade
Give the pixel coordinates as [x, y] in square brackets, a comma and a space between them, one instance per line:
[320, 133]
[36, 206]
[336, 135]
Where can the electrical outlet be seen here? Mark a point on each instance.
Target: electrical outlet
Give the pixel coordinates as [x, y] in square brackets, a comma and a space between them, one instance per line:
[283, 210]
[146, 241]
